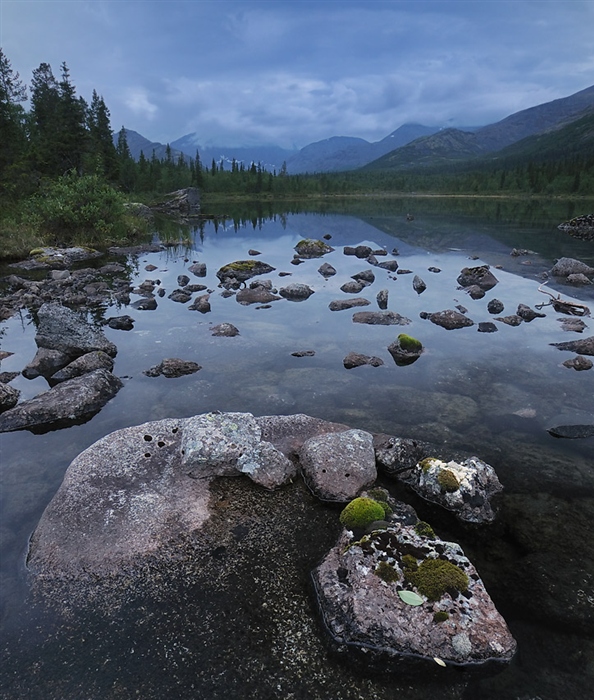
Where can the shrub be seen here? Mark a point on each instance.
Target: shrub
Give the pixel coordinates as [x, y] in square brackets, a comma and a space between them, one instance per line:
[78, 209]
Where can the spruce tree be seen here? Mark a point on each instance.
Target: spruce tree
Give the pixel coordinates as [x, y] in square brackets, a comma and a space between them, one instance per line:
[12, 125]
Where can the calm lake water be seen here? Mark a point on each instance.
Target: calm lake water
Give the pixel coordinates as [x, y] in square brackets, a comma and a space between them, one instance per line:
[492, 394]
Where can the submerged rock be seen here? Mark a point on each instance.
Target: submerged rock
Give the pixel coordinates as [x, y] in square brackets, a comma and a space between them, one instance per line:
[579, 363]
[356, 359]
[569, 266]
[343, 304]
[226, 330]
[572, 432]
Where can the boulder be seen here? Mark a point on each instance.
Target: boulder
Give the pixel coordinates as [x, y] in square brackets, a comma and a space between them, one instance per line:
[310, 248]
[464, 487]
[46, 363]
[381, 612]
[121, 323]
[366, 276]
[180, 295]
[572, 432]
[480, 276]
[527, 314]
[487, 327]
[579, 363]
[353, 287]
[448, 319]
[9, 397]
[327, 270]
[382, 299]
[83, 365]
[578, 280]
[495, 306]
[173, 367]
[198, 269]
[63, 258]
[583, 346]
[394, 454]
[511, 320]
[337, 466]
[579, 227]
[69, 403]
[296, 292]
[575, 325]
[226, 330]
[343, 304]
[569, 266]
[418, 285]
[201, 304]
[380, 318]
[184, 202]
[62, 329]
[146, 304]
[360, 251]
[255, 294]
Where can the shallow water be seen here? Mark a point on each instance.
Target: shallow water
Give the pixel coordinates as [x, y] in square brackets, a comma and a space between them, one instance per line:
[493, 394]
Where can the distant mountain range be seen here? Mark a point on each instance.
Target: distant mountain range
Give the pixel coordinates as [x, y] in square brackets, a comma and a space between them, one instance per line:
[409, 146]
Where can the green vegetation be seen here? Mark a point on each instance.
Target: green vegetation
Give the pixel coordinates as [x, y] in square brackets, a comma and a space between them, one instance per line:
[435, 577]
[423, 529]
[386, 572]
[360, 512]
[410, 344]
[441, 616]
[448, 480]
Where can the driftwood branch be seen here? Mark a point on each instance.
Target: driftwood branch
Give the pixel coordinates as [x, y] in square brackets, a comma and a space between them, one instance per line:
[561, 306]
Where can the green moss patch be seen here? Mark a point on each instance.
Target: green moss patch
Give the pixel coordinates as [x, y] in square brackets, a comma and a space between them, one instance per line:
[360, 512]
[435, 577]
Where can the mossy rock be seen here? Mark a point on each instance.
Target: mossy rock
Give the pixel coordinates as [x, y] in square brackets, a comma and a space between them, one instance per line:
[242, 270]
[423, 529]
[435, 577]
[360, 512]
[410, 344]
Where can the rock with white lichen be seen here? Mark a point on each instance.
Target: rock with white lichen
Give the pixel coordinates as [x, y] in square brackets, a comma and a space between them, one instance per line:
[464, 487]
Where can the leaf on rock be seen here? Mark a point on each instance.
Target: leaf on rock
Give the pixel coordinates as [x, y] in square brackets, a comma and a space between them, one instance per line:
[410, 598]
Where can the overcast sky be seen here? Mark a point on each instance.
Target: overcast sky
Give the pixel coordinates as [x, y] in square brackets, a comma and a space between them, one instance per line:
[290, 72]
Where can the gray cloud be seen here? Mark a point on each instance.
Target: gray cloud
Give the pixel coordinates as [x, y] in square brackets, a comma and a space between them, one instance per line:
[292, 72]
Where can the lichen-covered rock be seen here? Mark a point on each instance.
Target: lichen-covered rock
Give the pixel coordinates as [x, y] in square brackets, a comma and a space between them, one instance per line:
[46, 363]
[448, 319]
[62, 258]
[68, 403]
[394, 454]
[337, 466]
[580, 227]
[267, 466]
[397, 600]
[465, 488]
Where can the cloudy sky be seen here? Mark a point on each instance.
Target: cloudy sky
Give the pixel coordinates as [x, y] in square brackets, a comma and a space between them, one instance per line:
[290, 72]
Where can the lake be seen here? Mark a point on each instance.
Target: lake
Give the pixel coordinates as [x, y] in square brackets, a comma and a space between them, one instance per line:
[490, 394]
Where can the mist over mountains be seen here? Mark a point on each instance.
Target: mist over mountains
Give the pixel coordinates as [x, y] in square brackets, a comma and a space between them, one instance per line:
[410, 145]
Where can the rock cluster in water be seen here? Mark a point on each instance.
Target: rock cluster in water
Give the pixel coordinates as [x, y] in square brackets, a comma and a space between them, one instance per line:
[129, 501]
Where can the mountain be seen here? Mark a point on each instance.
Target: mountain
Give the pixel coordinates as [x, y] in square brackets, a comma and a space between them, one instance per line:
[138, 143]
[452, 145]
[348, 153]
[271, 157]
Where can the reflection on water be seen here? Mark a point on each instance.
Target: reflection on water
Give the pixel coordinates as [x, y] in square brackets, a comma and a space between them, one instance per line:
[493, 394]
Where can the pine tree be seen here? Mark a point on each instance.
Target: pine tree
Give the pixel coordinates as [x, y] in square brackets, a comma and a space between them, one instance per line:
[72, 133]
[127, 167]
[12, 124]
[102, 152]
[43, 120]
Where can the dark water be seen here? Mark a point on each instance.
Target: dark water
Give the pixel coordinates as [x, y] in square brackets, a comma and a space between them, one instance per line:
[491, 394]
